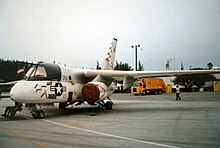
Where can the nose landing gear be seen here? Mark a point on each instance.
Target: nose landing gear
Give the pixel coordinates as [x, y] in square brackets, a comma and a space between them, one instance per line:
[36, 112]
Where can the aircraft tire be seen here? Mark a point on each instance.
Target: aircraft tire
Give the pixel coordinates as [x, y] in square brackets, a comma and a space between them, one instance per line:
[41, 114]
[108, 105]
[62, 106]
[38, 114]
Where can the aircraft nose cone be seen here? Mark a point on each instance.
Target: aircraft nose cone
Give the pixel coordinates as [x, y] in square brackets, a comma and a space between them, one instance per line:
[21, 91]
[28, 91]
[14, 93]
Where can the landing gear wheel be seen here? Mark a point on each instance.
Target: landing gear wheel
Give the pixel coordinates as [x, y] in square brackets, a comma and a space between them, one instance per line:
[108, 105]
[41, 114]
[38, 114]
[62, 106]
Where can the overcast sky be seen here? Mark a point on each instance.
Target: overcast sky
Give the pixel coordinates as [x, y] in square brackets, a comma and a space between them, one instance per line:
[79, 32]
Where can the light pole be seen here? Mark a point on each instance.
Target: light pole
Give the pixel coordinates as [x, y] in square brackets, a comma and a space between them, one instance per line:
[135, 55]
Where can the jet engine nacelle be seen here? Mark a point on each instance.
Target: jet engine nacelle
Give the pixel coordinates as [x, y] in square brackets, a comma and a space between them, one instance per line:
[94, 91]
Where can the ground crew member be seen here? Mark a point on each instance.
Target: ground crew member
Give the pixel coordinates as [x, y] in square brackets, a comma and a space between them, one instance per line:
[11, 110]
[178, 92]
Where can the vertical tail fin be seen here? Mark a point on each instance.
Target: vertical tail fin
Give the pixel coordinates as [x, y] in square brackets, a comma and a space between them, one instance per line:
[108, 63]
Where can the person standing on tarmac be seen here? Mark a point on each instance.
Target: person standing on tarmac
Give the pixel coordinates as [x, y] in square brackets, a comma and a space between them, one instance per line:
[178, 92]
[10, 111]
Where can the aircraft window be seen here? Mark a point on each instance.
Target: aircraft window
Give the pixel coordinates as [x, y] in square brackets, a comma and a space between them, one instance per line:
[36, 72]
[30, 72]
[41, 72]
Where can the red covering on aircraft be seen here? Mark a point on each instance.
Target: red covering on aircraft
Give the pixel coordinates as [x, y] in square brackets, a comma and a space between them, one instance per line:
[90, 92]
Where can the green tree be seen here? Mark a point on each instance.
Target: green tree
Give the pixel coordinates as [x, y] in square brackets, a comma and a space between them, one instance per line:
[140, 66]
[182, 67]
[97, 65]
[9, 70]
[122, 66]
[210, 65]
[193, 79]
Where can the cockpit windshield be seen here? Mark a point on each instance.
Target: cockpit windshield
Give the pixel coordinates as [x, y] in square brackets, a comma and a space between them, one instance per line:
[30, 72]
[43, 71]
[37, 72]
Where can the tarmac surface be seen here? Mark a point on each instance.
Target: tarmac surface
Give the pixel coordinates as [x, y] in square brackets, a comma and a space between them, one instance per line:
[135, 121]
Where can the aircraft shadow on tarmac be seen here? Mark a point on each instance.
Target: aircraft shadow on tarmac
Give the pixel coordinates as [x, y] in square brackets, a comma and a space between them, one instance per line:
[96, 111]
[55, 112]
[86, 111]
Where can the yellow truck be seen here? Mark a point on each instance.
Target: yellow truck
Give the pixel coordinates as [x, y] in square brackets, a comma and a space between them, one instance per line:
[148, 86]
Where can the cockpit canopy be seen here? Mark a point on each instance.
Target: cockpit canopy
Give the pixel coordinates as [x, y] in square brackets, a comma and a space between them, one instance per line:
[43, 71]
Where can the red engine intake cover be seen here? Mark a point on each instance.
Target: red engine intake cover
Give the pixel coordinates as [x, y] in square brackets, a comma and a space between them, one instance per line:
[90, 92]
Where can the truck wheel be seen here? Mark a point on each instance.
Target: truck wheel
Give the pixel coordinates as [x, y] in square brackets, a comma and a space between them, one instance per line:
[144, 92]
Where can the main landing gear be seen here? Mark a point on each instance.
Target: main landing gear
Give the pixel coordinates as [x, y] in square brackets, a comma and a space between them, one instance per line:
[64, 106]
[107, 104]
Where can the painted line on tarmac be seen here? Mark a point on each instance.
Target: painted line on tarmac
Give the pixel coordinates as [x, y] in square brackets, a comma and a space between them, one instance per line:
[19, 136]
[110, 135]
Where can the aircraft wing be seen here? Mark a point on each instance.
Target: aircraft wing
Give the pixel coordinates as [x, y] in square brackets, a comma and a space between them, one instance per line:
[136, 74]
[129, 76]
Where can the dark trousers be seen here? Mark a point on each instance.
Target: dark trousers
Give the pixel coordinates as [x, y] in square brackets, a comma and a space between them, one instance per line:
[178, 96]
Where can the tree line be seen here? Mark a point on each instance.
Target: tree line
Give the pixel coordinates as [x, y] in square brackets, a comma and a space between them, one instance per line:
[9, 69]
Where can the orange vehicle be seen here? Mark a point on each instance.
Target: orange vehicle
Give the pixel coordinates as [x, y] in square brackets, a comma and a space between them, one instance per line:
[148, 86]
